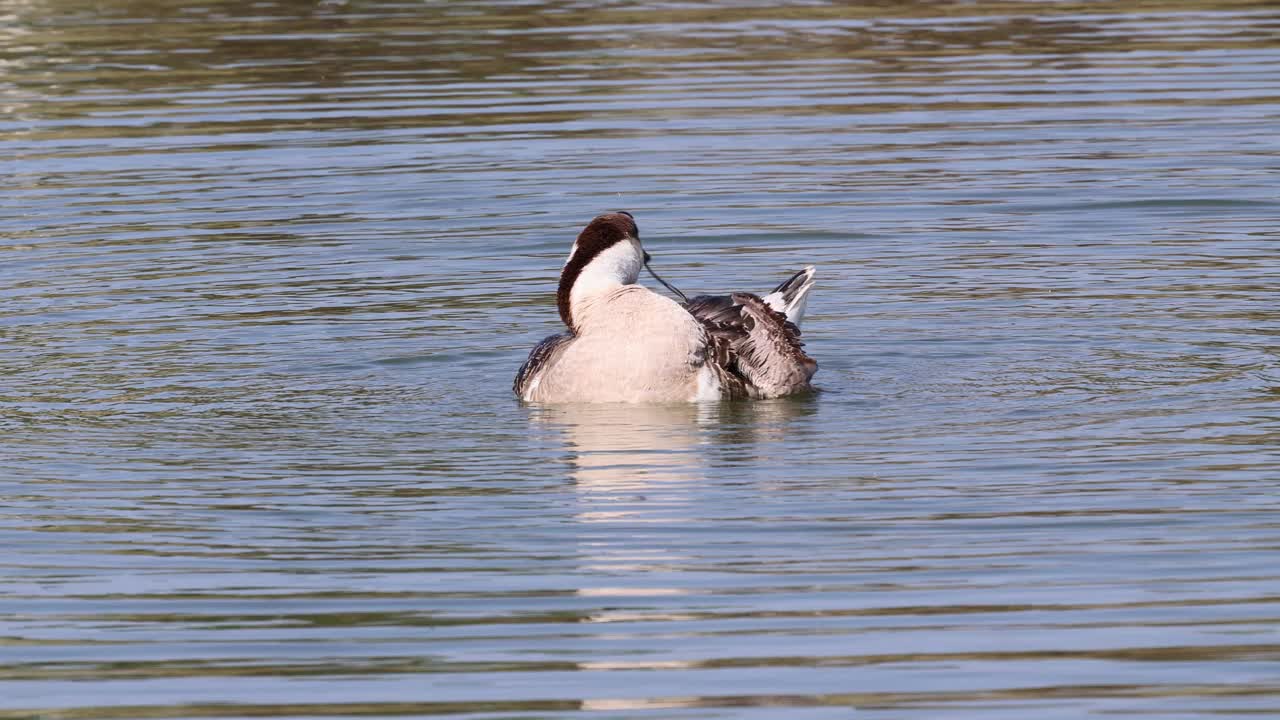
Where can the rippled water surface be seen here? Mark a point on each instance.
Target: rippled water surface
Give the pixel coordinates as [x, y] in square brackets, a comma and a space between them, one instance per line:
[267, 269]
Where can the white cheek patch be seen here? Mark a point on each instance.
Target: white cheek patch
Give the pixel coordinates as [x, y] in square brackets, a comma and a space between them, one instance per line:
[617, 265]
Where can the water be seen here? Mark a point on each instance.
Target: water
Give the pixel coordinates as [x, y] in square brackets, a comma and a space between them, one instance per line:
[267, 270]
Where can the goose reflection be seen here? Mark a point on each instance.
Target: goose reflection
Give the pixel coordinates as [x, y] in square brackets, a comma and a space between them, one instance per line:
[620, 448]
[617, 448]
[651, 484]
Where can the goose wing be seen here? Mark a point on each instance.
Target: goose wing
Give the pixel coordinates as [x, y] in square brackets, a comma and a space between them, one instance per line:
[757, 351]
[540, 358]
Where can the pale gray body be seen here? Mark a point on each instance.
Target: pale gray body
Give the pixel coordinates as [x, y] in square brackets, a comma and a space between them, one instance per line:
[629, 344]
[632, 345]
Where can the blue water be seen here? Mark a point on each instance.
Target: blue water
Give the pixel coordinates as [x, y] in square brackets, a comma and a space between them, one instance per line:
[267, 271]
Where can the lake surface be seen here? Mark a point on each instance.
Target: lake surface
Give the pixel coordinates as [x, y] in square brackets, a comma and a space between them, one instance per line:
[267, 270]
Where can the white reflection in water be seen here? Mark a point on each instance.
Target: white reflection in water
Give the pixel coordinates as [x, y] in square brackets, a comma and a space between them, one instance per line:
[616, 450]
[637, 469]
[631, 447]
[633, 466]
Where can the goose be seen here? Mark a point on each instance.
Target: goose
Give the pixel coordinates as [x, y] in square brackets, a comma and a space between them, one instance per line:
[626, 343]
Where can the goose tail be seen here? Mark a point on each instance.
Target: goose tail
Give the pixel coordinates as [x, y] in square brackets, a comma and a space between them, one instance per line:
[792, 297]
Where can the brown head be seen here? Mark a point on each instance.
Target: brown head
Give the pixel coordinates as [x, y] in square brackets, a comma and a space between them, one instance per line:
[606, 254]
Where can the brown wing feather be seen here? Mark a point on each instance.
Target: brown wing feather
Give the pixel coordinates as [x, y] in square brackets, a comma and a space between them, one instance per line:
[758, 351]
[539, 357]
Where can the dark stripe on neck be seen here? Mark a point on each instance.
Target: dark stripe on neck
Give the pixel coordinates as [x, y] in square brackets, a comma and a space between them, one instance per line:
[600, 234]
[568, 277]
